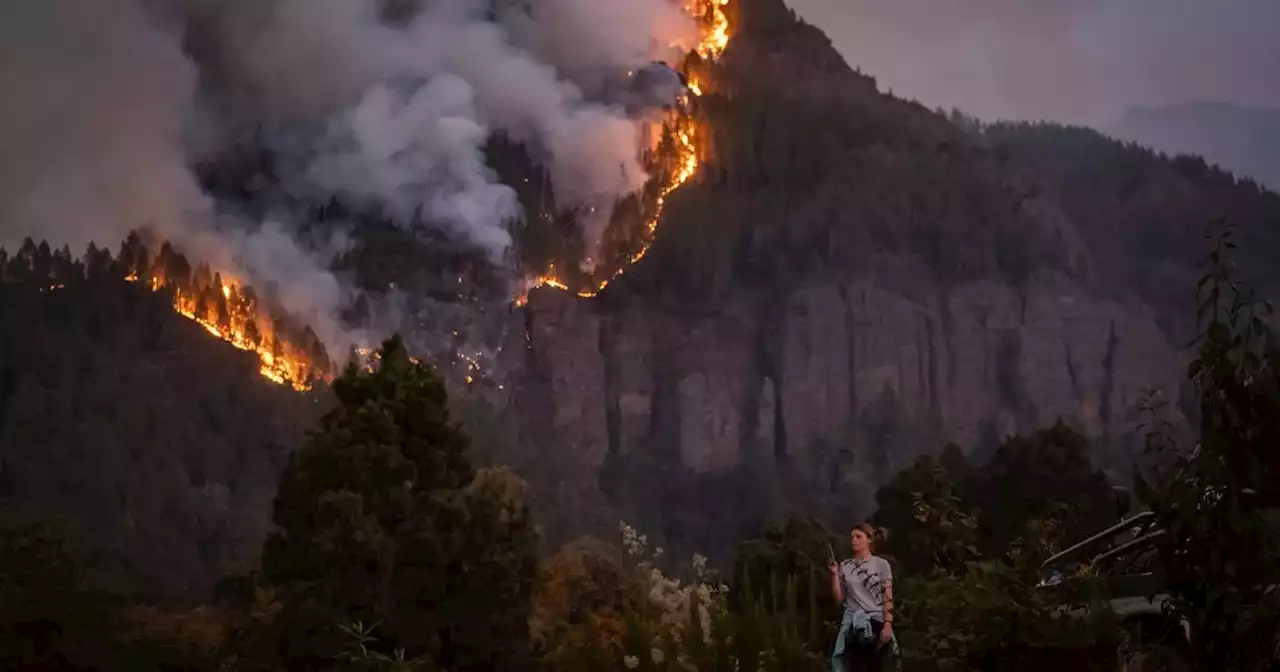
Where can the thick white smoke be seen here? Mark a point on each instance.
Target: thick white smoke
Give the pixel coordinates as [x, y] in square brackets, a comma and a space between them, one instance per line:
[96, 97]
[410, 106]
[585, 40]
[104, 109]
[92, 105]
[417, 153]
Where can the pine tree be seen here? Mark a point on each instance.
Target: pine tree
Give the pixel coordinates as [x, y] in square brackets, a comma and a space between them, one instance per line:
[381, 519]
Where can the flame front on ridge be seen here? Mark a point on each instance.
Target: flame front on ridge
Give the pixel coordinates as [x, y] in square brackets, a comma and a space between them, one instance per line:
[280, 362]
[715, 37]
[241, 325]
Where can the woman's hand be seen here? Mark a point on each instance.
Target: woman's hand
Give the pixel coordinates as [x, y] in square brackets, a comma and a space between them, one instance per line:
[886, 633]
[833, 567]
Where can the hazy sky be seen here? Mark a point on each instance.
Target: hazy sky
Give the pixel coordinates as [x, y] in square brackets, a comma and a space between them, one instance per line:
[1079, 61]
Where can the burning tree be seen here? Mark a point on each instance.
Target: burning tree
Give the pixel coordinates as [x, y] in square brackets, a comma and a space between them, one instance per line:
[230, 311]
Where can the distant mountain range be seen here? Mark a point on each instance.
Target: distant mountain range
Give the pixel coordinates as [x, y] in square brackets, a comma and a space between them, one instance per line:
[1244, 140]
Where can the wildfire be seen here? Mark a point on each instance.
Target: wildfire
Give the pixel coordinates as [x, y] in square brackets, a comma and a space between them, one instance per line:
[231, 313]
[471, 363]
[715, 38]
[236, 318]
[239, 325]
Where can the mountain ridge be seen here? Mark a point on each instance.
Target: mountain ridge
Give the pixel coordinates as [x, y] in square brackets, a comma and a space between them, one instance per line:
[1245, 140]
[854, 279]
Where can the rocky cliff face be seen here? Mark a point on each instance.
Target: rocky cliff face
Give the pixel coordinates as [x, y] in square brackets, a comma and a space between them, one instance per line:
[848, 281]
[771, 378]
[851, 280]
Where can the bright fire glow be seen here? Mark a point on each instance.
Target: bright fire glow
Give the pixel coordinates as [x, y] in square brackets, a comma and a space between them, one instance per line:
[246, 328]
[280, 362]
[285, 364]
[715, 37]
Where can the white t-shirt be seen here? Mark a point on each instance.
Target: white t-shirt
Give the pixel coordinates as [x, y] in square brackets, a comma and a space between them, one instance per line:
[864, 584]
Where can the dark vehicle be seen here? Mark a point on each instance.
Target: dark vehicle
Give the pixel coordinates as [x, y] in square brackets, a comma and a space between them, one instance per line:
[1123, 556]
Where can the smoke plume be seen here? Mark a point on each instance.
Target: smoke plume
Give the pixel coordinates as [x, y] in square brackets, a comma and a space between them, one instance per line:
[586, 40]
[108, 103]
[408, 106]
[94, 98]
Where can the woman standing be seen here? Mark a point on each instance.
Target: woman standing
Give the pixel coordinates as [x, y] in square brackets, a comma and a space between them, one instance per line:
[864, 586]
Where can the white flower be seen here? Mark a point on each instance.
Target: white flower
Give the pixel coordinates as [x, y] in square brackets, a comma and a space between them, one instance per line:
[657, 655]
[631, 662]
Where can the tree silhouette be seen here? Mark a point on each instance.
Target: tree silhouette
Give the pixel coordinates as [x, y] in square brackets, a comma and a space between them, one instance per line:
[381, 519]
[1217, 502]
[929, 525]
[1046, 475]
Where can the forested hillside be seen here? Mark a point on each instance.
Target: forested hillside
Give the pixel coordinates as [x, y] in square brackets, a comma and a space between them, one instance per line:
[812, 167]
[1142, 213]
[159, 444]
[1245, 140]
[852, 279]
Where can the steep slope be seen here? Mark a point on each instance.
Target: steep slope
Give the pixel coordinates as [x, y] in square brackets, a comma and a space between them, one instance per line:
[850, 280]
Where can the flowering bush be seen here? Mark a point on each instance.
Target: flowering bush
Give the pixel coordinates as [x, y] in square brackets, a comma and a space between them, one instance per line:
[601, 607]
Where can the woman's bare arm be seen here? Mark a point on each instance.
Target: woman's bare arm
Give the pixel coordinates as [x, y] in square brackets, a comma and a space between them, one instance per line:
[888, 602]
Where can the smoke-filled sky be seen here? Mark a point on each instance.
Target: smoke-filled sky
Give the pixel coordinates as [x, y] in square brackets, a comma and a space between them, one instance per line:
[1076, 61]
[105, 105]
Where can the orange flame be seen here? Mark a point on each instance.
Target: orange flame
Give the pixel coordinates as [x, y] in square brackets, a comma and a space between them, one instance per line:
[242, 326]
[715, 39]
[279, 361]
[287, 365]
